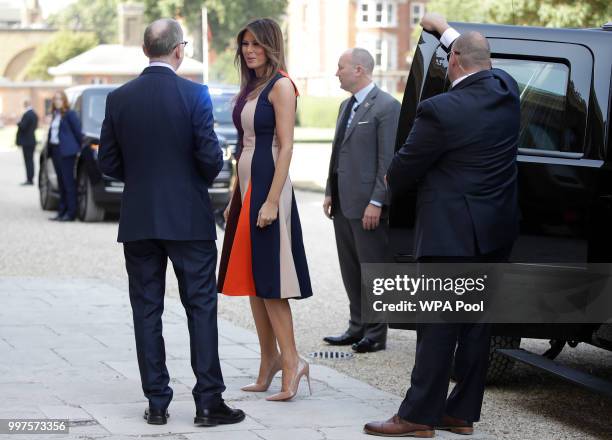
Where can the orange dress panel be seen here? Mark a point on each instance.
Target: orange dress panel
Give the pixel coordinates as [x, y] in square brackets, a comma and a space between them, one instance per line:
[239, 280]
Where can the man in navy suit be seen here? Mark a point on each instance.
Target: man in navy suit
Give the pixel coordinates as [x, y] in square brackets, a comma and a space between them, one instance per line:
[26, 138]
[461, 157]
[158, 138]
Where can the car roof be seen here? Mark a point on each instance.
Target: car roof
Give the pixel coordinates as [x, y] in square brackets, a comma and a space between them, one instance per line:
[82, 88]
[222, 89]
[215, 90]
[218, 88]
[587, 37]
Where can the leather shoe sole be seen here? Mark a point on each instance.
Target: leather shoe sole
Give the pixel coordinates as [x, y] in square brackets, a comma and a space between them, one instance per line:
[361, 347]
[464, 430]
[156, 419]
[456, 426]
[214, 421]
[341, 340]
[416, 434]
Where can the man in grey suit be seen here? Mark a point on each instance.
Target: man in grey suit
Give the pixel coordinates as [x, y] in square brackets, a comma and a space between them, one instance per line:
[356, 195]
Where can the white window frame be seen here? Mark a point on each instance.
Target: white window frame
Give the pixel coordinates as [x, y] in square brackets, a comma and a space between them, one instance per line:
[380, 50]
[380, 46]
[363, 16]
[415, 18]
[376, 13]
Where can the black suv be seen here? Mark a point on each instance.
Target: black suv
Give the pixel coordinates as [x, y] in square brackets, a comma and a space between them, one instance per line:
[99, 194]
[222, 97]
[564, 165]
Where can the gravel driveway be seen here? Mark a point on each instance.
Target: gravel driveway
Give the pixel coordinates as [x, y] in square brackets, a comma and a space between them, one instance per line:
[531, 405]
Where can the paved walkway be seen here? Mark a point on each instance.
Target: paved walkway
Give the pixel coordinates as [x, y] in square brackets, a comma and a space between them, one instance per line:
[67, 351]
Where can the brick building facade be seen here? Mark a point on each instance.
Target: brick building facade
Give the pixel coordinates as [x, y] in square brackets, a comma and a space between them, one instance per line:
[318, 31]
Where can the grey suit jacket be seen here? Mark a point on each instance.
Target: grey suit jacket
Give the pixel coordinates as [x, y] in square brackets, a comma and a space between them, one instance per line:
[365, 153]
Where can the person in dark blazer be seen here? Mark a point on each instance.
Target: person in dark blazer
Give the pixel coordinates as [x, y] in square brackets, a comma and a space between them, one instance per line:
[26, 139]
[356, 196]
[461, 157]
[158, 138]
[64, 143]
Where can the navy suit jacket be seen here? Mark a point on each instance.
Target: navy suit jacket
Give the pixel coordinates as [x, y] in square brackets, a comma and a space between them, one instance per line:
[158, 138]
[461, 157]
[26, 129]
[70, 134]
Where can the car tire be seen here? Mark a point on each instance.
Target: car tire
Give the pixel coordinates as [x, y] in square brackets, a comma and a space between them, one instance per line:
[88, 210]
[499, 365]
[47, 201]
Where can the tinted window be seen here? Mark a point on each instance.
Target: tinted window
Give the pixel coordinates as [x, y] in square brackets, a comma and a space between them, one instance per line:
[543, 88]
[94, 105]
[77, 105]
[222, 107]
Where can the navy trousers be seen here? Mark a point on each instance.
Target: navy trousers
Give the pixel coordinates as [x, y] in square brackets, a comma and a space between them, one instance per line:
[194, 264]
[426, 400]
[64, 168]
[28, 158]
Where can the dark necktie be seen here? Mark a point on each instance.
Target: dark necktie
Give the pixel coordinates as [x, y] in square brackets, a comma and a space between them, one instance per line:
[342, 131]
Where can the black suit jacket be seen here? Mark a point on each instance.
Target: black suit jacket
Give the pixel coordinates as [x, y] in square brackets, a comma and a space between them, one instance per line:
[26, 129]
[158, 137]
[461, 157]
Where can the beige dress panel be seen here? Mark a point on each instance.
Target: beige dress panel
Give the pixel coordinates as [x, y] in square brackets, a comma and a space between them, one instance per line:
[289, 281]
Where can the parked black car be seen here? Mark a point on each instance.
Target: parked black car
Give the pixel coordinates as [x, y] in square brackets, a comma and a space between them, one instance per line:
[99, 194]
[222, 97]
[564, 165]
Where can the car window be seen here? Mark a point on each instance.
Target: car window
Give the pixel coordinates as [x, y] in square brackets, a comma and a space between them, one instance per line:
[77, 105]
[543, 89]
[94, 105]
[222, 108]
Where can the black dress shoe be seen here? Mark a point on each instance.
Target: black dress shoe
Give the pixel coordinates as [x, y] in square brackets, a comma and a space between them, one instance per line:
[27, 183]
[218, 415]
[367, 346]
[65, 218]
[156, 416]
[344, 339]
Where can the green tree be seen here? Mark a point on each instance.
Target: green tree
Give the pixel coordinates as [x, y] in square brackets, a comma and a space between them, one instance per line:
[552, 13]
[98, 16]
[153, 11]
[470, 11]
[223, 69]
[63, 46]
[549, 13]
[225, 17]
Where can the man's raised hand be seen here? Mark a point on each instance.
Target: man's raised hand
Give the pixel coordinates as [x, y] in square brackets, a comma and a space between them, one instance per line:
[434, 22]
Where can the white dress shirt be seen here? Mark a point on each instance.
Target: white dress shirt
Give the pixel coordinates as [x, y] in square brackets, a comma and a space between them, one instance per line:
[447, 39]
[55, 124]
[359, 97]
[159, 63]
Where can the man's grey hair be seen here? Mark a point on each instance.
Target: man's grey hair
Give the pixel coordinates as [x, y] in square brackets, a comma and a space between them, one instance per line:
[473, 51]
[161, 37]
[363, 58]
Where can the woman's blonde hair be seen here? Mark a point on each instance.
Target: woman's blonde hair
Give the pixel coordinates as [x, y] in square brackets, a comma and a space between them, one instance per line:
[65, 105]
[269, 36]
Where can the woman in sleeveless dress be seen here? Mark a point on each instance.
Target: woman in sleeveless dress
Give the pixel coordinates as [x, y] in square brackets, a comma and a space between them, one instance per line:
[263, 253]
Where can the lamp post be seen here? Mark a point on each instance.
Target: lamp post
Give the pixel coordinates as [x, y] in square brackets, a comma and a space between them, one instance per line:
[205, 44]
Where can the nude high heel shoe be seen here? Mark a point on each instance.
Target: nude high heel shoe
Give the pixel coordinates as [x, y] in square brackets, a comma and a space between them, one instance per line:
[303, 370]
[258, 388]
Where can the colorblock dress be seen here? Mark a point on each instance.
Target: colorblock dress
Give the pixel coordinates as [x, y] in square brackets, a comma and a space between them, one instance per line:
[267, 262]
